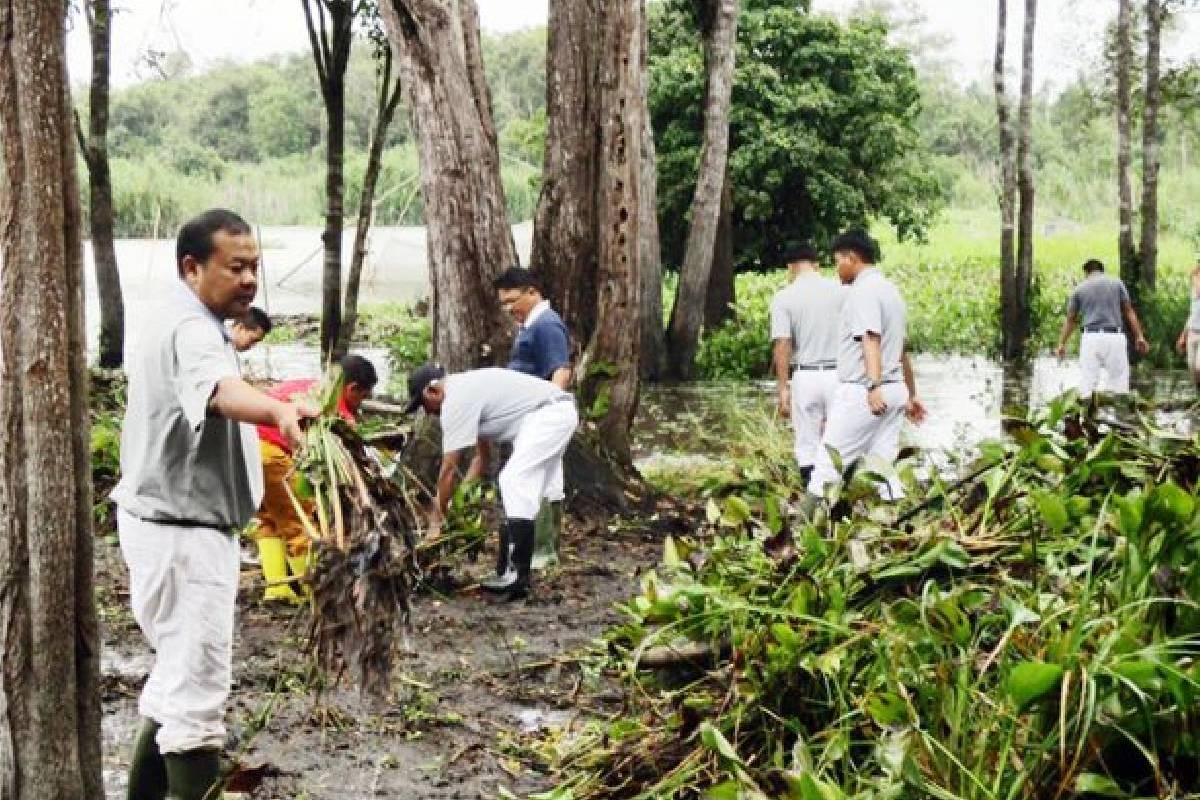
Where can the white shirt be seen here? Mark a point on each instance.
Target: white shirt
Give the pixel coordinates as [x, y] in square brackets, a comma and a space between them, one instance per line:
[807, 312]
[873, 305]
[491, 404]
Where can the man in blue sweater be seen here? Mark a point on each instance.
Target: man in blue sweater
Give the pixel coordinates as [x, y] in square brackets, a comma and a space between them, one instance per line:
[542, 348]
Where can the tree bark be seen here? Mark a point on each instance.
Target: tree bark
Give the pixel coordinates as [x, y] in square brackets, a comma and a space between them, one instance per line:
[1125, 247]
[719, 299]
[330, 35]
[49, 649]
[565, 236]
[654, 343]
[609, 368]
[1155, 10]
[687, 315]
[1010, 303]
[1025, 187]
[436, 45]
[389, 99]
[94, 147]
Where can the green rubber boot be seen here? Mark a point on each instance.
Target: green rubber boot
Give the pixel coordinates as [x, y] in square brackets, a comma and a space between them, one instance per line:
[194, 775]
[547, 529]
[147, 770]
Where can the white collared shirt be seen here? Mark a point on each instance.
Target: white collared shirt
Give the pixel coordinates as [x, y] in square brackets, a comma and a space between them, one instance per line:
[535, 312]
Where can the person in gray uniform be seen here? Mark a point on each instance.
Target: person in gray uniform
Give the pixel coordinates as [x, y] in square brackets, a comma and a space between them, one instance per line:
[482, 406]
[804, 328]
[1189, 338]
[1101, 303]
[876, 385]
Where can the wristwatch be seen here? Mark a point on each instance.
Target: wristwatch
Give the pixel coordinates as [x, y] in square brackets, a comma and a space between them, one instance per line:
[872, 385]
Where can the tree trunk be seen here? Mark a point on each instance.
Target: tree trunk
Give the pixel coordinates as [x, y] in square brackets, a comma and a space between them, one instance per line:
[330, 35]
[1125, 247]
[436, 44]
[718, 300]
[565, 236]
[49, 648]
[1150, 153]
[1025, 191]
[389, 98]
[1010, 304]
[654, 342]
[609, 368]
[688, 312]
[94, 147]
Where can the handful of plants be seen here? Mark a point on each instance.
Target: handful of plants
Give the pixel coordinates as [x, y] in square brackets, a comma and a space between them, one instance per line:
[362, 566]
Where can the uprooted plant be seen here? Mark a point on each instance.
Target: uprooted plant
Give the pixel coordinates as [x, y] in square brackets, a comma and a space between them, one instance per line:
[1029, 631]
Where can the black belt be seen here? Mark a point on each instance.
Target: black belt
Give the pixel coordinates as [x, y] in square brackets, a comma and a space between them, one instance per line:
[231, 530]
[827, 365]
[1101, 329]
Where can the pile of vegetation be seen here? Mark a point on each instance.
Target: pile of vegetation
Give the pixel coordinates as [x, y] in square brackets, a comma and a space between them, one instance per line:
[1028, 631]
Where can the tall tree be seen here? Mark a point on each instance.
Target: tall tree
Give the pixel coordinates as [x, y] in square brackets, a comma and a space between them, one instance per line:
[654, 343]
[388, 99]
[1148, 255]
[1010, 302]
[719, 298]
[687, 315]
[609, 379]
[437, 48]
[49, 649]
[1125, 246]
[1025, 188]
[94, 147]
[330, 26]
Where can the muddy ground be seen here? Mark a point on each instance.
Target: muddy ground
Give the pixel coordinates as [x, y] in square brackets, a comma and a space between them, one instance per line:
[477, 683]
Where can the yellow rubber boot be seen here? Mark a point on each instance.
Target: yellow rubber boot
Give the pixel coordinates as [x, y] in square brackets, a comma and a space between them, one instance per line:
[300, 567]
[273, 554]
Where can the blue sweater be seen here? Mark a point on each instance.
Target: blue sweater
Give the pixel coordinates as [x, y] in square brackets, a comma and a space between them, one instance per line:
[543, 347]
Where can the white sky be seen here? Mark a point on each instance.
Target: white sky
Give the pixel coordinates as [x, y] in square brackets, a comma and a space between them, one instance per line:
[212, 30]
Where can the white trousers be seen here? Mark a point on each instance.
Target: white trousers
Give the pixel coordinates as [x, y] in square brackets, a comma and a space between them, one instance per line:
[1193, 354]
[183, 587]
[1107, 353]
[812, 397]
[536, 459]
[854, 433]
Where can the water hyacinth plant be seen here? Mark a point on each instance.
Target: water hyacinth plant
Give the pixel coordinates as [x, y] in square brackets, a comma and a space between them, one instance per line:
[362, 565]
[1030, 631]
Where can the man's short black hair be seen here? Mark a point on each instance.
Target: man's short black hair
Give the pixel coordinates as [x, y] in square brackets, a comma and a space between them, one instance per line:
[517, 278]
[358, 370]
[196, 236]
[257, 319]
[1093, 265]
[795, 253]
[859, 242]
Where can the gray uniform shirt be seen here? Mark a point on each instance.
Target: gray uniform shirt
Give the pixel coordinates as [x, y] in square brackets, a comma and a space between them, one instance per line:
[1193, 322]
[1098, 300]
[179, 462]
[491, 404]
[807, 313]
[872, 305]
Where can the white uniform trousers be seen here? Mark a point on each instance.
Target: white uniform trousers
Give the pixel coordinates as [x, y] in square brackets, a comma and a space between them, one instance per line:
[854, 433]
[182, 588]
[1107, 353]
[812, 397]
[1193, 355]
[536, 458]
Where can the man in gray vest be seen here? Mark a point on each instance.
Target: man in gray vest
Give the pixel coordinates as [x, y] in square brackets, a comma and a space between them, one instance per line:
[1102, 302]
[876, 385]
[804, 328]
[190, 480]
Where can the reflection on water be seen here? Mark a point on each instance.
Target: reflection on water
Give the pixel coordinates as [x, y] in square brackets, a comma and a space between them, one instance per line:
[964, 396]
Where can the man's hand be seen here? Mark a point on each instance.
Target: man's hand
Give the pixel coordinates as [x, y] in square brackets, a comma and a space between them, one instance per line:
[1141, 345]
[915, 411]
[1181, 343]
[289, 419]
[1061, 351]
[433, 522]
[785, 401]
[876, 402]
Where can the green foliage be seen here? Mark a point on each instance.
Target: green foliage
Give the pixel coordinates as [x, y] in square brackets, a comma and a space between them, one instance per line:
[822, 125]
[965, 645]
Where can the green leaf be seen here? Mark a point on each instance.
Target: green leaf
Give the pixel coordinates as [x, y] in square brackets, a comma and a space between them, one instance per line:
[1092, 783]
[1141, 673]
[1029, 681]
[803, 786]
[715, 741]
[736, 512]
[671, 553]
[729, 790]
[1053, 511]
[1171, 505]
[887, 709]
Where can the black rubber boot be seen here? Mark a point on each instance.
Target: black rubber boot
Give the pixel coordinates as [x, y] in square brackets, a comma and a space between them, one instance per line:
[147, 771]
[504, 560]
[514, 584]
[194, 775]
